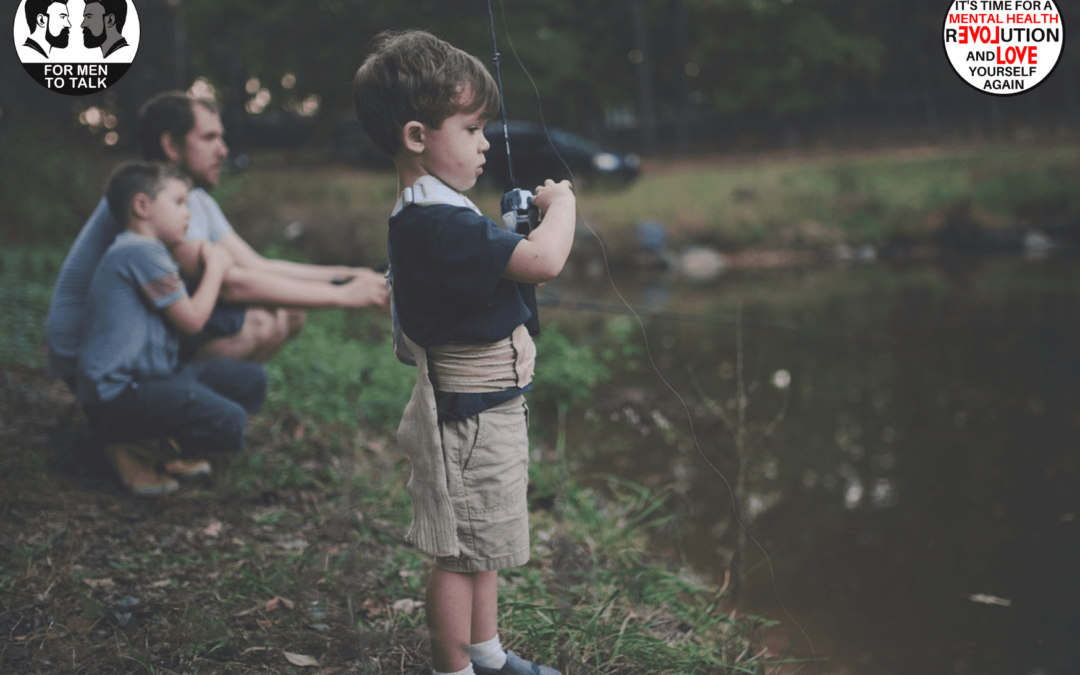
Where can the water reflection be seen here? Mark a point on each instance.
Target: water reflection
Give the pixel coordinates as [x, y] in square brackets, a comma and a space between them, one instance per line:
[916, 451]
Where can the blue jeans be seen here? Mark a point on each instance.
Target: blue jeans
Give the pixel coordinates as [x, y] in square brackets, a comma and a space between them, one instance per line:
[203, 406]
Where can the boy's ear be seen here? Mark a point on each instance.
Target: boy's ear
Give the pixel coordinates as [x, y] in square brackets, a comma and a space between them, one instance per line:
[170, 147]
[412, 136]
[140, 205]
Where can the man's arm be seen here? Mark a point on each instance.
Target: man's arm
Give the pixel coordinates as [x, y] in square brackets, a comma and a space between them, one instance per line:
[261, 285]
[190, 314]
[247, 257]
[540, 257]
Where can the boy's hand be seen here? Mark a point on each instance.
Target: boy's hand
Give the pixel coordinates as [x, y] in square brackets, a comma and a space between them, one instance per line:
[212, 255]
[551, 193]
[188, 256]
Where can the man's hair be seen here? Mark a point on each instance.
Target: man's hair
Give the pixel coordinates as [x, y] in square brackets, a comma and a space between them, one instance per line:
[170, 112]
[135, 178]
[415, 76]
[35, 7]
[117, 8]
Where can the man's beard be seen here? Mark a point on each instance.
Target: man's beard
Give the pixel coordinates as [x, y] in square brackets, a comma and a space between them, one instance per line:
[59, 41]
[90, 41]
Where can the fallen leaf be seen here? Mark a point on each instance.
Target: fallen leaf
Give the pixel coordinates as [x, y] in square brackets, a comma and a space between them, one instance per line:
[99, 583]
[989, 600]
[254, 649]
[277, 601]
[213, 529]
[372, 607]
[300, 659]
[164, 583]
[80, 625]
[406, 606]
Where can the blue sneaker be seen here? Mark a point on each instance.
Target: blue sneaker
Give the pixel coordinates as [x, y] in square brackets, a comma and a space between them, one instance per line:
[515, 665]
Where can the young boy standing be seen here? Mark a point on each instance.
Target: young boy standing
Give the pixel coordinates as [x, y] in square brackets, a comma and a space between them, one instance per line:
[458, 298]
[130, 383]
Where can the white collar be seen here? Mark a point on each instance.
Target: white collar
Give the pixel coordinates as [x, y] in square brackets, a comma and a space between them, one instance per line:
[429, 190]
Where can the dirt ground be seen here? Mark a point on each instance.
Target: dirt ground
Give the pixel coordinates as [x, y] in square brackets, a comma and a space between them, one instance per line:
[210, 580]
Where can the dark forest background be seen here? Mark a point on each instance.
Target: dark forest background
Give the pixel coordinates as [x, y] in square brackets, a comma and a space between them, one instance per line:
[654, 76]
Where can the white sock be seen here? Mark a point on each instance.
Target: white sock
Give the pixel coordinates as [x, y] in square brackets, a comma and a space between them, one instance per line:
[488, 654]
[467, 670]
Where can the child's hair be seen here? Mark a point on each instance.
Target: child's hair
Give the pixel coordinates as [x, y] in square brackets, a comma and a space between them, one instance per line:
[170, 112]
[415, 76]
[134, 178]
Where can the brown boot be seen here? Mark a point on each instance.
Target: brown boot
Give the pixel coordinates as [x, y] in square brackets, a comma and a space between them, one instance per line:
[181, 468]
[137, 472]
[187, 468]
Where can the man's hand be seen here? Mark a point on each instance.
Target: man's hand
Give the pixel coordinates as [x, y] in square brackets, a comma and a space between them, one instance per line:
[366, 288]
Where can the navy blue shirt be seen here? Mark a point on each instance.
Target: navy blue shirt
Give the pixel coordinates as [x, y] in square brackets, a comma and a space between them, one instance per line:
[448, 264]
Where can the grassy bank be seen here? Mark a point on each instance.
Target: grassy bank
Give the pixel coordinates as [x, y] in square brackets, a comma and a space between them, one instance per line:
[967, 196]
[292, 560]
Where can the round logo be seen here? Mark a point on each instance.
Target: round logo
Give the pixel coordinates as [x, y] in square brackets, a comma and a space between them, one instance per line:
[1003, 47]
[76, 47]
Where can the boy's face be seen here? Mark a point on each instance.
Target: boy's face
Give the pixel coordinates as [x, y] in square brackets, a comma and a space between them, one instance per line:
[168, 213]
[454, 153]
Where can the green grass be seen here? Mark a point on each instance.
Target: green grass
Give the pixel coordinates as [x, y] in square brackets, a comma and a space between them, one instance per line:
[27, 275]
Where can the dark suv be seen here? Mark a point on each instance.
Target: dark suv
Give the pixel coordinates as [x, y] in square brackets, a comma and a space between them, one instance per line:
[537, 158]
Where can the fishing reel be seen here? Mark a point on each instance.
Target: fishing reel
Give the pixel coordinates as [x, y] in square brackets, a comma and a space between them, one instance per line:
[519, 211]
[521, 214]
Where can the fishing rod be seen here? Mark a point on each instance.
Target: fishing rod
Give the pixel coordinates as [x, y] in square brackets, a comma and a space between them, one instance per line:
[518, 208]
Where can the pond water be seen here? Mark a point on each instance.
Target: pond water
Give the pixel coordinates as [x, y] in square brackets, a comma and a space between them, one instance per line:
[913, 435]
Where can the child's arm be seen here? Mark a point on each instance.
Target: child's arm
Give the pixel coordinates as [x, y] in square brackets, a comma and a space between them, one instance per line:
[540, 257]
[190, 314]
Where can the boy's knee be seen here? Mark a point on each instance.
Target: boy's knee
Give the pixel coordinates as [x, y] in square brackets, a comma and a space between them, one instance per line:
[230, 428]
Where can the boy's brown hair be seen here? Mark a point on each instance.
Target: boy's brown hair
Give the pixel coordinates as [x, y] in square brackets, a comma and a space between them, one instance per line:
[413, 75]
[133, 178]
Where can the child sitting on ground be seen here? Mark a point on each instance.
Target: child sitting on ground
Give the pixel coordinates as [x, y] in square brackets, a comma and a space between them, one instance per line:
[145, 407]
[458, 283]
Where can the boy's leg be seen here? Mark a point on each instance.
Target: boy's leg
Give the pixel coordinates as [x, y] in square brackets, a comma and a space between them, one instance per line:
[178, 407]
[448, 605]
[485, 607]
[240, 381]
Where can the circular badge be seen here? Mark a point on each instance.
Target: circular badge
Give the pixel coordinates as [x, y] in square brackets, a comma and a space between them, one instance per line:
[1003, 47]
[76, 47]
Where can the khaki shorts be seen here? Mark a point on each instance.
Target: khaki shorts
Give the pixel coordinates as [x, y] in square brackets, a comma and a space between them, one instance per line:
[487, 473]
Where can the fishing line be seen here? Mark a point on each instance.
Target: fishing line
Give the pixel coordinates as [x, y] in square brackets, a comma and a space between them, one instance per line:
[571, 305]
[648, 350]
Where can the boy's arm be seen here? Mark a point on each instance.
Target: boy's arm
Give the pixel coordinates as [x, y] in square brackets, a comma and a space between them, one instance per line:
[540, 257]
[190, 314]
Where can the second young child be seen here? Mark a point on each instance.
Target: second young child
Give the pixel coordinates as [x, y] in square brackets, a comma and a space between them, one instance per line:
[130, 382]
[458, 282]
